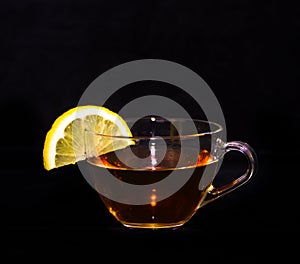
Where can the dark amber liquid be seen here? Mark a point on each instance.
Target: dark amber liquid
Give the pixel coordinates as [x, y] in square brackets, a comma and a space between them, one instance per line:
[172, 211]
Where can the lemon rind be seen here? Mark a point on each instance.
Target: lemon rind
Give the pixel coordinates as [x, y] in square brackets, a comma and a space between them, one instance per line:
[58, 127]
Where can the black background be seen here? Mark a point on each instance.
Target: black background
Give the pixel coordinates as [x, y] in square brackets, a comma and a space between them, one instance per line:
[247, 52]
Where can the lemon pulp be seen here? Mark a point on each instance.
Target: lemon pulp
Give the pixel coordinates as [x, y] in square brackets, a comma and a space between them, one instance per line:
[65, 141]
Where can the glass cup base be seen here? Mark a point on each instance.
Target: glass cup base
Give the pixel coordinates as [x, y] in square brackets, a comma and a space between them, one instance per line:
[154, 225]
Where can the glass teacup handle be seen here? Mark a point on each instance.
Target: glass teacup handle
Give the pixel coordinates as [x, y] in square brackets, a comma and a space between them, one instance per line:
[249, 153]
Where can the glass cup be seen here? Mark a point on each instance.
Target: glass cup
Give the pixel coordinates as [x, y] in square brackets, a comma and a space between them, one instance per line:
[164, 173]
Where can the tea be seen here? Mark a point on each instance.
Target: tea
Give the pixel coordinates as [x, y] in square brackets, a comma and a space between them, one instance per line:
[172, 211]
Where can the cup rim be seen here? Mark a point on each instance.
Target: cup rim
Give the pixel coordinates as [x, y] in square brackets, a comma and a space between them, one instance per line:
[218, 129]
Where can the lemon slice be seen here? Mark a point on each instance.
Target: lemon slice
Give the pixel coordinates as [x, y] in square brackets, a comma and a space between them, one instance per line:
[65, 142]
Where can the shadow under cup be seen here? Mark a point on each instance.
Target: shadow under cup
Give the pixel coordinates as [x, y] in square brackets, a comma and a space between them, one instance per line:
[162, 175]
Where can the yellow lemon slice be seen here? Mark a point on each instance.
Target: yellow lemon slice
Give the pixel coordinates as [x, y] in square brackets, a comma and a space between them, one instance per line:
[65, 142]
